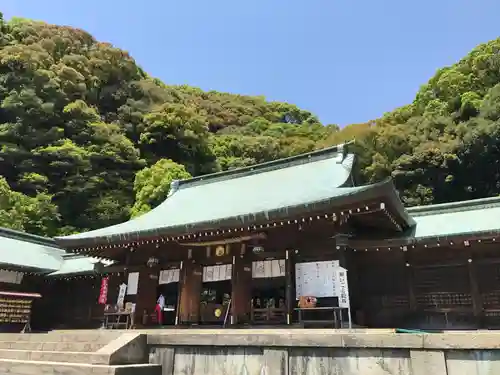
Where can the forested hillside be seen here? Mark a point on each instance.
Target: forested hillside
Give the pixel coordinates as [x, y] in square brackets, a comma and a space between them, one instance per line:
[88, 139]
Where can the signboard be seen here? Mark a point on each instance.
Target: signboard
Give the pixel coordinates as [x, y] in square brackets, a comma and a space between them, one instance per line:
[316, 279]
[103, 294]
[133, 283]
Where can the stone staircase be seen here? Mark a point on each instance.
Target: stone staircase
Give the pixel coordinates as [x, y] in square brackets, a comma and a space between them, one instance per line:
[76, 353]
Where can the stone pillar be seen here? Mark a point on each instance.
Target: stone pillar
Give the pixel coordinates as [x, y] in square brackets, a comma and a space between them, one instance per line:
[276, 361]
[163, 356]
[428, 362]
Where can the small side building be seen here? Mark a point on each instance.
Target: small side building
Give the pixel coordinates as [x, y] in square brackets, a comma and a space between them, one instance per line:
[42, 282]
[447, 269]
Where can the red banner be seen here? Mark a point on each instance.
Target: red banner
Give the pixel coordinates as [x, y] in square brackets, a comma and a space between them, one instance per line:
[103, 295]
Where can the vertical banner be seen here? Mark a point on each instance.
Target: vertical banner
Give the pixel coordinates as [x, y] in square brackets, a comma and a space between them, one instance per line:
[132, 283]
[121, 295]
[343, 288]
[103, 294]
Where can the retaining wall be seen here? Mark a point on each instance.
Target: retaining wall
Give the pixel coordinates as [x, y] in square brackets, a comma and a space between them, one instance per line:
[324, 352]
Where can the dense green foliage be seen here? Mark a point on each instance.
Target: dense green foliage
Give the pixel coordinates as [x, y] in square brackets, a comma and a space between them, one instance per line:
[152, 184]
[88, 139]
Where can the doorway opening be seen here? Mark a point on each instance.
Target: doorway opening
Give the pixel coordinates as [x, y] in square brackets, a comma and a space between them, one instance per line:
[167, 297]
[269, 305]
[215, 299]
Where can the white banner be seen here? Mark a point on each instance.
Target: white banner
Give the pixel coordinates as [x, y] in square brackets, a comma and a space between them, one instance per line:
[169, 276]
[268, 268]
[343, 288]
[121, 295]
[220, 272]
[133, 283]
[11, 277]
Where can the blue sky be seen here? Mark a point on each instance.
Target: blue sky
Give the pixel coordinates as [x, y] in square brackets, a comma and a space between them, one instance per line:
[347, 61]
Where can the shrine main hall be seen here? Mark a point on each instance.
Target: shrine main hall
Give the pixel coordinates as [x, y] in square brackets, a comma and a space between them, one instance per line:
[297, 242]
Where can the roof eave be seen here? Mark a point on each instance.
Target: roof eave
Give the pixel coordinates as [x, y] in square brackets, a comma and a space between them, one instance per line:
[382, 191]
[24, 268]
[408, 240]
[27, 237]
[399, 208]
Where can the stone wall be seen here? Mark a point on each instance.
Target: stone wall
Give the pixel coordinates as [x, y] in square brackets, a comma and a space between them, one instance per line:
[324, 352]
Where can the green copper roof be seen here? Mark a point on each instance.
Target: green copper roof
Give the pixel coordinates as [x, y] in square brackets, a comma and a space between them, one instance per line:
[477, 216]
[239, 197]
[76, 265]
[23, 251]
[445, 221]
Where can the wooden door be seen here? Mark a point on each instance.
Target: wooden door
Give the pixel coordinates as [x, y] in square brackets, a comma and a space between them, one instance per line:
[189, 309]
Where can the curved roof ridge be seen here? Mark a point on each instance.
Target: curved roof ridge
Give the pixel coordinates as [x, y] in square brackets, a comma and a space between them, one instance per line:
[28, 237]
[441, 208]
[269, 166]
[267, 191]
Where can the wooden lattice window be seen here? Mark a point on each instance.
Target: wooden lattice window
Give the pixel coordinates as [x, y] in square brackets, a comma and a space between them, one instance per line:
[452, 279]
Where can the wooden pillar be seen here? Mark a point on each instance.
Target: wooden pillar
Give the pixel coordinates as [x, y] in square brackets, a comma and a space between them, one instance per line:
[290, 285]
[179, 292]
[189, 309]
[241, 288]
[410, 280]
[477, 303]
[235, 302]
[341, 244]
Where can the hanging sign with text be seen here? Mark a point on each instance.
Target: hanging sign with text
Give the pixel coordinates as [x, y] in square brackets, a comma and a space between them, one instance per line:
[121, 295]
[103, 294]
[343, 288]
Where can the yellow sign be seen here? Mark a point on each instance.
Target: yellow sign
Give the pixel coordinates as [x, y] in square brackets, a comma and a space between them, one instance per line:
[217, 313]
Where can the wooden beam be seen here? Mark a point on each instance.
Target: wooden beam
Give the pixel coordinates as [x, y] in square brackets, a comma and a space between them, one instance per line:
[136, 267]
[226, 241]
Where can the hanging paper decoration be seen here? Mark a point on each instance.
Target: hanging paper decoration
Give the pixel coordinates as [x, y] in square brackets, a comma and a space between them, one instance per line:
[268, 268]
[169, 276]
[219, 272]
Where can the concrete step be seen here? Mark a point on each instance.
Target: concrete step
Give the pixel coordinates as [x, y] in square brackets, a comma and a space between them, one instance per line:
[17, 367]
[52, 346]
[103, 337]
[44, 356]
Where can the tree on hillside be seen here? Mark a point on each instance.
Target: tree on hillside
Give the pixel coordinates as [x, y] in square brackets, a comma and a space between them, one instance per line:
[35, 215]
[152, 184]
[81, 123]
